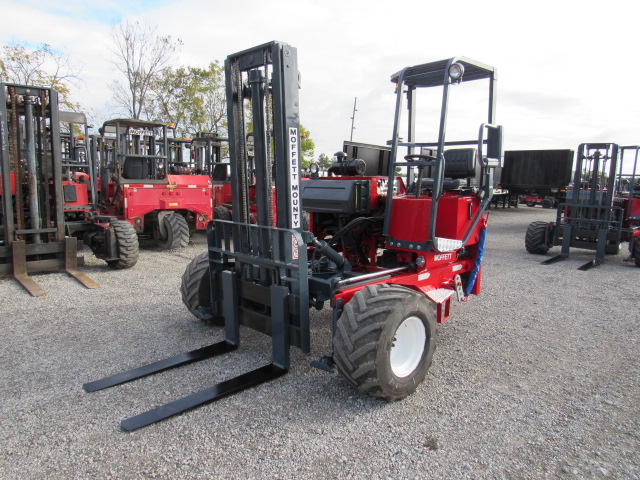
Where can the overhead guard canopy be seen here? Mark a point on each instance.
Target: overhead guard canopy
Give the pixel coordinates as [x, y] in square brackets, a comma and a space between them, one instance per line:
[436, 73]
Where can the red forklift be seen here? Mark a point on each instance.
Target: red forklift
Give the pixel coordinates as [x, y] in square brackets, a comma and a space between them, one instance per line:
[602, 208]
[143, 184]
[387, 252]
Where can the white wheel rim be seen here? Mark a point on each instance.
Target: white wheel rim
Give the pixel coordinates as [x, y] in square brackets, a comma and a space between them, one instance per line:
[408, 347]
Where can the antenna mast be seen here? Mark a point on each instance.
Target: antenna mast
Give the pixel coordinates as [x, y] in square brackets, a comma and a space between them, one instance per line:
[353, 118]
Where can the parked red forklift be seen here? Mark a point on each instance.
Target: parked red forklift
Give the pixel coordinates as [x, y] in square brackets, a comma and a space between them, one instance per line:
[399, 249]
[38, 195]
[141, 183]
[602, 208]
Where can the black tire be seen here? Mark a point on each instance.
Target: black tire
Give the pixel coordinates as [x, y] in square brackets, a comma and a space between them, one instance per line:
[364, 343]
[531, 204]
[534, 239]
[636, 251]
[126, 244]
[177, 232]
[195, 289]
[222, 213]
[548, 203]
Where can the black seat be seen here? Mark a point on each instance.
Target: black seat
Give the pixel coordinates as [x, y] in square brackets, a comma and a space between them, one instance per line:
[136, 168]
[460, 165]
[220, 172]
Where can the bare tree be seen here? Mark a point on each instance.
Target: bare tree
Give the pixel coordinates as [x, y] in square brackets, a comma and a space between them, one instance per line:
[42, 66]
[139, 54]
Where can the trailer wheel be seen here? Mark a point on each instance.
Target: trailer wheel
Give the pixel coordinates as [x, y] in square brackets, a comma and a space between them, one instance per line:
[548, 202]
[534, 240]
[384, 340]
[222, 213]
[195, 289]
[126, 244]
[177, 232]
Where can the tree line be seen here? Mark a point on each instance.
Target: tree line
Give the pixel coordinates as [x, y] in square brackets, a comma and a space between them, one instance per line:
[149, 86]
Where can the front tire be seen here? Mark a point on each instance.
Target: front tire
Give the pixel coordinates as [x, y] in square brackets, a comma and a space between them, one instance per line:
[384, 340]
[195, 290]
[126, 245]
[177, 230]
[534, 239]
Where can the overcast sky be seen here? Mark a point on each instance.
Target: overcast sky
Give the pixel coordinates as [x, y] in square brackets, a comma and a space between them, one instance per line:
[568, 70]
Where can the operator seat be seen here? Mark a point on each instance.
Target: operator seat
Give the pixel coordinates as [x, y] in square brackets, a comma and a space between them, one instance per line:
[136, 168]
[220, 172]
[461, 164]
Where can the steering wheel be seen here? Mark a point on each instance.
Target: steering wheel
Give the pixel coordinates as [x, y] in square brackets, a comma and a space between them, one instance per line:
[419, 156]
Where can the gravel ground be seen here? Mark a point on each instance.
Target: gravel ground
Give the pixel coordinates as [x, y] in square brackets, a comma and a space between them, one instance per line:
[535, 378]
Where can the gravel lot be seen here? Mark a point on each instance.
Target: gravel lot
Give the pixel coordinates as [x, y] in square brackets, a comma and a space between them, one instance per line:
[536, 378]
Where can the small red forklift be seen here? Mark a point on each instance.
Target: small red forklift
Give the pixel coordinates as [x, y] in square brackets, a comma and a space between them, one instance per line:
[143, 184]
[386, 253]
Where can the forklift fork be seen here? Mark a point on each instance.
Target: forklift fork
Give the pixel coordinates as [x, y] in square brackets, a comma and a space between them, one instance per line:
[279, 364]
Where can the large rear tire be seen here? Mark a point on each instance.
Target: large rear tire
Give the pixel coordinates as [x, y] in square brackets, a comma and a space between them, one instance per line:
[177, 230]
[384, 340]
[126, 244]
[195, 290]
[534, 240]
[636, 251]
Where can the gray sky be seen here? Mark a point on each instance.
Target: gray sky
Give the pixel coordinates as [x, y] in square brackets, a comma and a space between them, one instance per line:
[568, 72]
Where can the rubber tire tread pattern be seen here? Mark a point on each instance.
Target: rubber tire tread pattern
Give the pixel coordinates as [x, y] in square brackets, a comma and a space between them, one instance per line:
[358, 331]
[127, 244]
[636, 251]
[178, 232]
[194, 292]
[534, 238]
[222, 213]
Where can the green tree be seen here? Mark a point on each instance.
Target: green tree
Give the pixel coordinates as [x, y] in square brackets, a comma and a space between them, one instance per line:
[140, 54]
[324, 161]
[307, 147]
[191, 98]
[41, 66]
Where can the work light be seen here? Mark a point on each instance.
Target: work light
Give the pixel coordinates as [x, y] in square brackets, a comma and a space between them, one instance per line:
[456, 70]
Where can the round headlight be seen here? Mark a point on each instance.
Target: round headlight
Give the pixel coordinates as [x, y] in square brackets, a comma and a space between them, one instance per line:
[456, 70]
[314, 168]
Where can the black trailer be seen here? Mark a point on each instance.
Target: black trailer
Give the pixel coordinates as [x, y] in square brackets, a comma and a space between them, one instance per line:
[538, 177]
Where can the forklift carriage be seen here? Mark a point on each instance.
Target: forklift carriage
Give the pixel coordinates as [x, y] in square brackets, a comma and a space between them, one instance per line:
[387, 252]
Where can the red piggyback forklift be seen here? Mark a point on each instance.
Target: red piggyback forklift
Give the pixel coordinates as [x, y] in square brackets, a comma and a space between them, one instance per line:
[386, 252]
[142, 184]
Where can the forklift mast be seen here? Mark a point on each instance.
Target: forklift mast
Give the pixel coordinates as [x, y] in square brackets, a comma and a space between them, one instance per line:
[264, 82]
